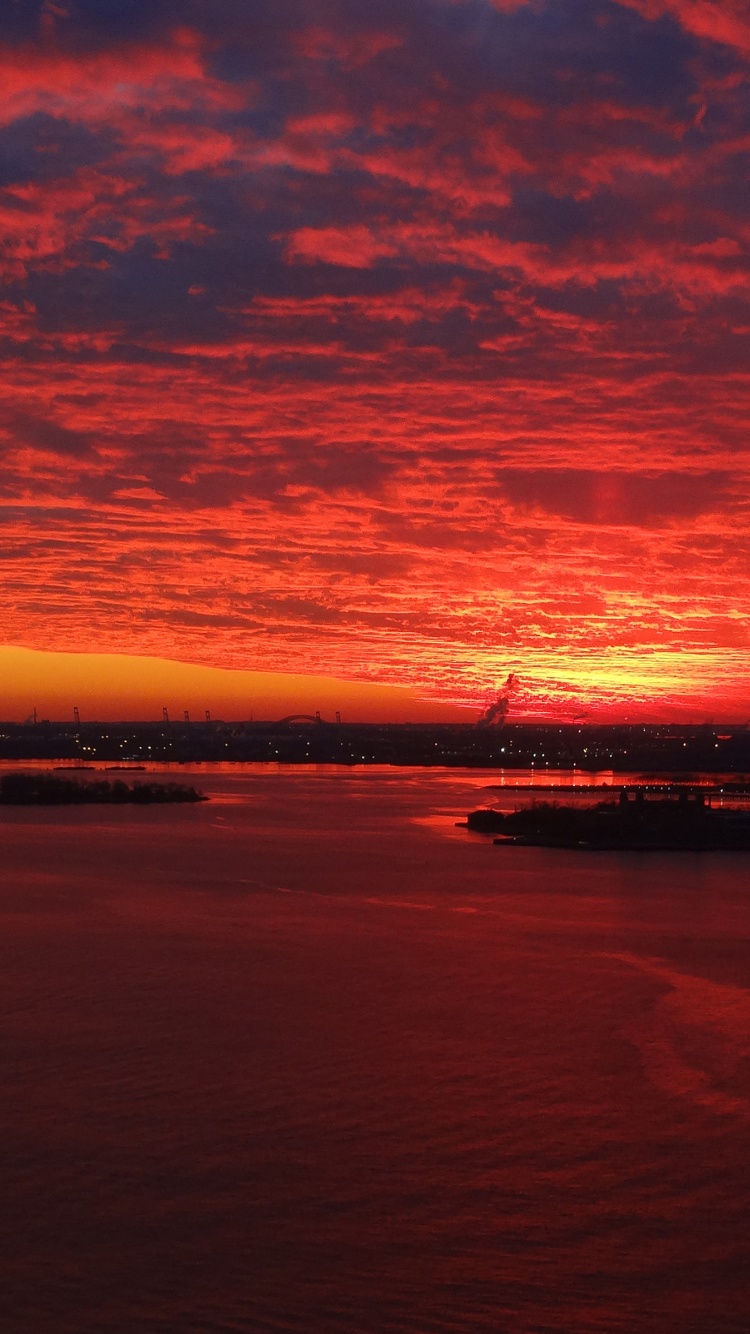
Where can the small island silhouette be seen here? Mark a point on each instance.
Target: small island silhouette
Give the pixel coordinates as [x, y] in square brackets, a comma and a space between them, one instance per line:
[24, 789]
[680, 821]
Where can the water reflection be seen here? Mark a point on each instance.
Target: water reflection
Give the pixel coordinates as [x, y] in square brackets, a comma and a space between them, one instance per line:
[309, 1057]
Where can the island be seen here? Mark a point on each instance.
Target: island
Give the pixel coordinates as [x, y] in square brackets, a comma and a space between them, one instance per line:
[682, 820]
[24, 789]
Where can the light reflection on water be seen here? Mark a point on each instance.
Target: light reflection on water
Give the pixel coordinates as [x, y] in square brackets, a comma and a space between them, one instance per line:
[307, 1057]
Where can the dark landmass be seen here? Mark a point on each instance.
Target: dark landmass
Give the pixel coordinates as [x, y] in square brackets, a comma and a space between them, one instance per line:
[682, 821]
[734, 786]
[666, 749]
[49, 790]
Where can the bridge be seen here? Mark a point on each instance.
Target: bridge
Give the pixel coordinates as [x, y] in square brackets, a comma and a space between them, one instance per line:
[303, 718]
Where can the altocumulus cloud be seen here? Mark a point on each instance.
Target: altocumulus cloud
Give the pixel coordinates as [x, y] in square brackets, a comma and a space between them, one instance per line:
[396, 339]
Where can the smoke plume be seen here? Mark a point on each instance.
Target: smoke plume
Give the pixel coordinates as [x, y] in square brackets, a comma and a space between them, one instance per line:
[497, 712]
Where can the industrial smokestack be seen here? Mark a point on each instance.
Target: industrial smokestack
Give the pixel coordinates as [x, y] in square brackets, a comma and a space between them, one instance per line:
[497, 712]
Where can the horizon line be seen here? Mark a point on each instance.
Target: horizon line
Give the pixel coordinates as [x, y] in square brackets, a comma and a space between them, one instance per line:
[74, 725]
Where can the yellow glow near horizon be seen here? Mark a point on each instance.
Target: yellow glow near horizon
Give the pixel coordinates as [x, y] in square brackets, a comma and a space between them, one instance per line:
[109, 686]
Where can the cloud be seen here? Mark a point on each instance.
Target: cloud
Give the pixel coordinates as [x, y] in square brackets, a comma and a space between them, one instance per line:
[396, 339]
[24, 429]
[351, 50]
[617, 498]
[727, 22]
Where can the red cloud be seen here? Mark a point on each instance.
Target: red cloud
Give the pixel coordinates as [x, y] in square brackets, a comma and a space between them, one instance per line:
[108, 90]
[356, 247]
[727, 22]
[351, 50]
[51, 225]
[714, 267]
[406, 306]
[89, 87]
[419, 377]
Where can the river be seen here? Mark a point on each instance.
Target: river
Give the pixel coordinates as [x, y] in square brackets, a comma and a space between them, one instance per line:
[308, 1057]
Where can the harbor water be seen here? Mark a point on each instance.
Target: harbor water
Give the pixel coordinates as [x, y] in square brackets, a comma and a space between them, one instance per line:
[309, 1057]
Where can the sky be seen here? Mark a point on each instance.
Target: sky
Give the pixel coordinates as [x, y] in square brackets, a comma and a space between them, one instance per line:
[120, 686]
[393, 342]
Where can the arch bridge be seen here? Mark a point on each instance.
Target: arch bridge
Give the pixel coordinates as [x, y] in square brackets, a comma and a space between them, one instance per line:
[302, 718]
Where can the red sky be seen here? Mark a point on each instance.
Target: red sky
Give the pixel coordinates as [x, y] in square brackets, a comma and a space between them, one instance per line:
[397, 342]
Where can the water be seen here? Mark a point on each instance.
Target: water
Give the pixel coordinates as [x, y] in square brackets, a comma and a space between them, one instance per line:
[310, 1058]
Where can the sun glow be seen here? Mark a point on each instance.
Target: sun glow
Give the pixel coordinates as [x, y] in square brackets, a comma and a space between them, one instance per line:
[398, 386]
[117, 686]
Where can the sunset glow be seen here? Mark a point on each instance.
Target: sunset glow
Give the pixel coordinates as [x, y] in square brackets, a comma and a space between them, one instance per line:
[399, 344]
[119, 686]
